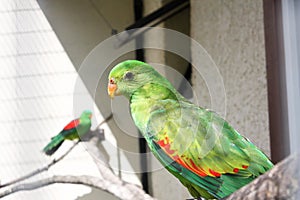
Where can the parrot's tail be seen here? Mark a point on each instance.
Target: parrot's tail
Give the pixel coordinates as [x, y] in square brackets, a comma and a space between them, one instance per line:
[55, 143]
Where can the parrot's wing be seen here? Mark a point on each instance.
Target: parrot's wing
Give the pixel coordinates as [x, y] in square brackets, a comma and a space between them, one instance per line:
[206, 184]
[73, 124]
[70, 131]
[203, 143]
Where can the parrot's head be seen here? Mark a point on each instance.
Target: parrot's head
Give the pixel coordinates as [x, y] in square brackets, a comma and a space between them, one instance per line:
[126, 77]
[86, 114]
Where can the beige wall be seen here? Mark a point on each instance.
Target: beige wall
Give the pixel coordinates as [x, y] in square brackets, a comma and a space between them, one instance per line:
[232, 33]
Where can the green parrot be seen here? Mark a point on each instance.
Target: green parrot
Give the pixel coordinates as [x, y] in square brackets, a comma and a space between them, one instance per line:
[196, 145]
[73, 130]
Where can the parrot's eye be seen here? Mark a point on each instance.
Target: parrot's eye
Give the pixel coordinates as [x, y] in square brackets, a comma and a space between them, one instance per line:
[111, 81]
[128, 76]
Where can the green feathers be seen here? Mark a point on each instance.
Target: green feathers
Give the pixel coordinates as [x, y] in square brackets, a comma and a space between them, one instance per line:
[55, 143]
[197, 146]
[74, 130]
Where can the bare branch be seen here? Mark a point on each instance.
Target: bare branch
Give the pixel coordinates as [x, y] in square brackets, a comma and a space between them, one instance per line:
[105, 120]
[53, 162]
[281, 182]
[120, 189]
[39, 170]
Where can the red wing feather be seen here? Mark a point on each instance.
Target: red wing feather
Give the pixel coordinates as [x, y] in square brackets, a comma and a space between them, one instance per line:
[188, 163]
[72, 124]
[165, 145]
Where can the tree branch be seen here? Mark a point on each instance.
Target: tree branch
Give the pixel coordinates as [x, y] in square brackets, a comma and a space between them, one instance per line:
[119, 189]
[281, 182]
[54, 161]
[39, 170]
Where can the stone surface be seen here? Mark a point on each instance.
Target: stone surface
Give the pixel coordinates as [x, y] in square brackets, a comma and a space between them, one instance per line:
[232, 33]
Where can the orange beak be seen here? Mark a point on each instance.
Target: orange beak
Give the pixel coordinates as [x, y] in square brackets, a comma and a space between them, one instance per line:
[111, 89]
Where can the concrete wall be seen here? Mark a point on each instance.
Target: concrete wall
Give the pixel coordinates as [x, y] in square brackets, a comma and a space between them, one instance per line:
[80, 26]
[232, 33]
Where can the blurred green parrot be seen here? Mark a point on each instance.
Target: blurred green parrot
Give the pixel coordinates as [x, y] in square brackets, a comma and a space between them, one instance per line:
[73, 130]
